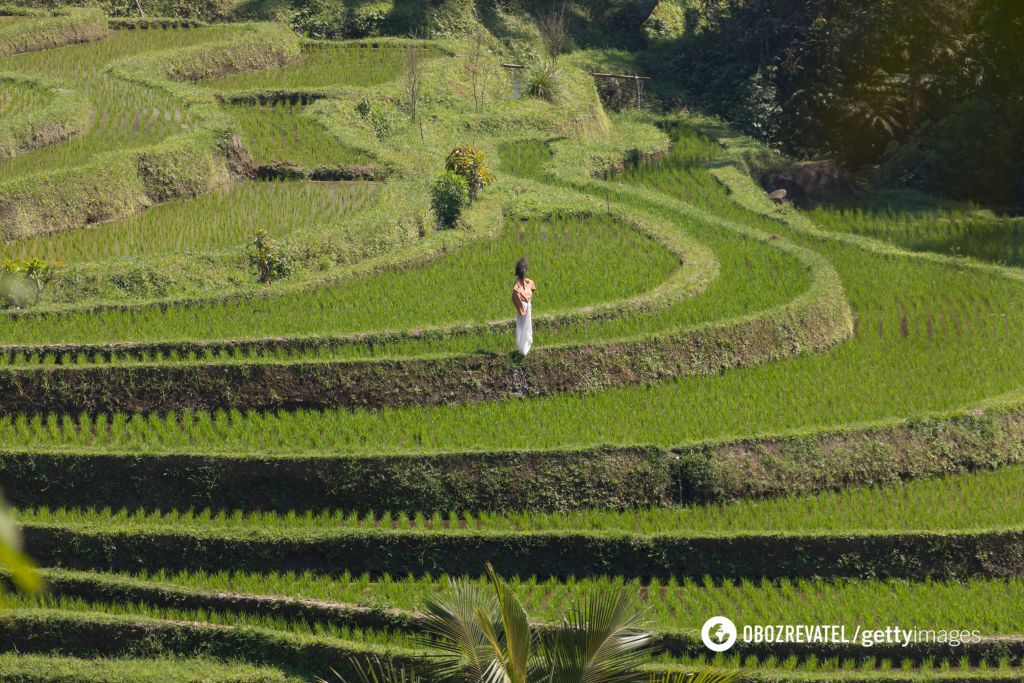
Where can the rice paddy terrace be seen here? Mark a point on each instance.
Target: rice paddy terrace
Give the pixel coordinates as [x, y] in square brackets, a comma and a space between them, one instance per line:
[732, 408]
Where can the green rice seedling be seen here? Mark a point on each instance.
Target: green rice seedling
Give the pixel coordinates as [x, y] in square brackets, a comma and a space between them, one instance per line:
[280, 133]
[225, 218]
[321, 65]
[525, 158]
[18, 98]
[75, 604]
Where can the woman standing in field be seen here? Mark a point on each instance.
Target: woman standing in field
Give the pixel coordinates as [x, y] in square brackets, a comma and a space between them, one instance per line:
[522, 297]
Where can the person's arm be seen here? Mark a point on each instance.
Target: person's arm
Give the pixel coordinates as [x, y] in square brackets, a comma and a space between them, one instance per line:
[517, 301]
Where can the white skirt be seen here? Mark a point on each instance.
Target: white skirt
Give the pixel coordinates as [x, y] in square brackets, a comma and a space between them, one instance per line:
[524, 330]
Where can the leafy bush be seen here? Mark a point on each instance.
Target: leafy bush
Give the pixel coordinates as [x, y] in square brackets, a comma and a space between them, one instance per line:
[667, 22]
[22, 282]
[334, 19]
[449, 197]
[380, 115]
[270, 258]
[544, 80]
[468, 162]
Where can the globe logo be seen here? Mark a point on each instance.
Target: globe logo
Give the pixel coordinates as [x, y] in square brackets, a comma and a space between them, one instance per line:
[718, 634]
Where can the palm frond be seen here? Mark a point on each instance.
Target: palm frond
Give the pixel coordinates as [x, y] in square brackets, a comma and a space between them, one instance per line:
[705, 675]
[373, 670]
[600, 641]
[515, 622]
[459, 626]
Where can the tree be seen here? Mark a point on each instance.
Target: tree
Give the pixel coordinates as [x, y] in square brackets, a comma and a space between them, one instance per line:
[271, 259]
[553, 31]
[413, 78]
[449, 196]
[487, 637]
[24, 282]
[468, 162]
[477, 69]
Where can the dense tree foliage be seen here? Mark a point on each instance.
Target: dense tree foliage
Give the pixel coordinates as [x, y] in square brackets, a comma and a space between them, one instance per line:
[931, 90]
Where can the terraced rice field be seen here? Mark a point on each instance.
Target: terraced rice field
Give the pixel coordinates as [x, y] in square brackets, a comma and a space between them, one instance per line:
[397, 299]
[222, 219]
[280, 132]
[972, 233]
[730, 408]
[125, 115]
[674, 605]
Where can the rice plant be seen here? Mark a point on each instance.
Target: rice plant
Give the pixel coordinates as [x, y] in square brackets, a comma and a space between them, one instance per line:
[967, 231]
[326, 629]
[136, 669]
[916, 322]
[17, 99]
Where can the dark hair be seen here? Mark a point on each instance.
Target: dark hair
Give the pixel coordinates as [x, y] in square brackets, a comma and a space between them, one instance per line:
[521, 267]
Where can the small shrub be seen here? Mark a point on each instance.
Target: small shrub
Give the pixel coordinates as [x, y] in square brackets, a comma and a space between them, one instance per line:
[382, 117]
[449, 197]
[468, 163]
[22, 282]
[270, 258]
[544, 81]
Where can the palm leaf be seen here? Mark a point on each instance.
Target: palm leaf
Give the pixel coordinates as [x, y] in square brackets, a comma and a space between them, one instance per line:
[460, 625]
[373, 670]
[602, 641]
[699, 676]
[515, 624]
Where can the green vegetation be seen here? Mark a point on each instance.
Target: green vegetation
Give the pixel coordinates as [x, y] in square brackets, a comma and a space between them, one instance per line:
[448, 198]
[37, 113]
[213, 617]
[673, 605]
[169, 669]
[964, 502]
[248, 419]
[904, 360]
[860, 84]
[280, 132]
[973, 233]
[128, 114]
[37, 31]
[321, 65]
[221, 219]
[18, 98]
[403, 298]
